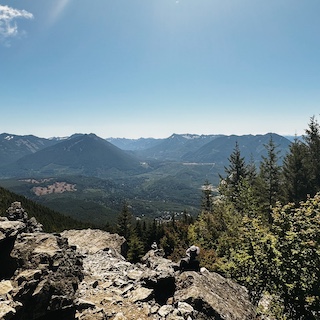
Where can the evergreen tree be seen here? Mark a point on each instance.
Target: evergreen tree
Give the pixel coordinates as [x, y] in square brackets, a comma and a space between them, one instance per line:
[173, 221]
[282, 259]
[135, 248]
[154, 233]
[215, 232]
[146, 237]
[124, 225]
[206, 197]
[252, 172]
[168, 243]
[269, 179]
[312, 139]
[295, 173]
[247, 199]
[236, 172]
[187, 218]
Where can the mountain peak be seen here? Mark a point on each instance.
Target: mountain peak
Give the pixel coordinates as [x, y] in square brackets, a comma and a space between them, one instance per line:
[85, 154]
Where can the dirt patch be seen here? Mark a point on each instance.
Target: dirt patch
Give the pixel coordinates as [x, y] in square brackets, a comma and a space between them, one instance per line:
[57, 187]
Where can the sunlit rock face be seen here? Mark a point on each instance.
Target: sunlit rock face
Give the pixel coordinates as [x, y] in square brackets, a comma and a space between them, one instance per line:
[82, 274]
[113, 288]
[40, 273]
[92, 241]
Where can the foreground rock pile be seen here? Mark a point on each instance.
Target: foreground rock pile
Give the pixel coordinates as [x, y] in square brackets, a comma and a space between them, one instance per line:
[39, 272]
[81, 274]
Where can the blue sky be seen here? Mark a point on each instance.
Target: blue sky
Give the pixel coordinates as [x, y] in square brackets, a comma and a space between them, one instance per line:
[150, 68]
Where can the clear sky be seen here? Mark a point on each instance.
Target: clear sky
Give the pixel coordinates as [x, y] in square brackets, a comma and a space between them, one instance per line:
[150, 68]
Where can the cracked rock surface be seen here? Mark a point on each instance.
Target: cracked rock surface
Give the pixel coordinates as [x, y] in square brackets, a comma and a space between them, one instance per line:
[154, 288]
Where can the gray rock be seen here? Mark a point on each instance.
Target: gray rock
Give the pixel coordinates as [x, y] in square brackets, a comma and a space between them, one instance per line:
[10, 228]
[154, 309]
[6, 311]
[127, 288]
[84, 304]
[135, 274]
[16, 213]
[185, 309]
[165, 310]
[47, 276]
[170, 294]
[174, 317]
[141, 294]
[91, 314]
[5, 287]
[120, 316]
[113, 244]
[214, 296]
[28, 275]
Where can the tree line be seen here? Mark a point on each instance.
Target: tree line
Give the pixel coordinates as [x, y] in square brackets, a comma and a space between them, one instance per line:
[262, 228]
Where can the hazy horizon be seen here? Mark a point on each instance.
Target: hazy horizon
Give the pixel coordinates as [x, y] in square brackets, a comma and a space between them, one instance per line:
[147, 137]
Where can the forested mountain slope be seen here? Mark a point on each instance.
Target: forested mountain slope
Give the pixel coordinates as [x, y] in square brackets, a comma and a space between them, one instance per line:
[14, 147]
[52, 221]
[82, 154]
[219, 149]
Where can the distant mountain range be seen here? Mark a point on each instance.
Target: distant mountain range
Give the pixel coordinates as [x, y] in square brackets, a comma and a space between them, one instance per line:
[90, 155]
[251, 146]
[134, 144]
[202, 148]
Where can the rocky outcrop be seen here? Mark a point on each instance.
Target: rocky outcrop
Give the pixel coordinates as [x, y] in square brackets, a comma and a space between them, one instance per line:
[91, 241]
[213, 296]
[16, 213]
[40, 273]
[81, 274]
[113, 288]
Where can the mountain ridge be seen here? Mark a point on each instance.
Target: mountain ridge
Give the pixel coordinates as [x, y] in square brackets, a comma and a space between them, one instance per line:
[85, 154]
[13, 146]
[249, 146]
[91, 155]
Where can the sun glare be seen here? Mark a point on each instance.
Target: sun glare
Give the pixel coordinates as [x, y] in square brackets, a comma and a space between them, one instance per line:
[57, 10]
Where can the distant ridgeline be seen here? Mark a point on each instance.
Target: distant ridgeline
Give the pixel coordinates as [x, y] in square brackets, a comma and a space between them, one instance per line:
[90, 155]
[52, 221]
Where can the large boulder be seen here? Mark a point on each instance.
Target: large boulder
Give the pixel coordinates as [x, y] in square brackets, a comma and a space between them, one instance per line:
[213, 296]
[10, 228]
[47, 276]
[200, 295]
[90, 241]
